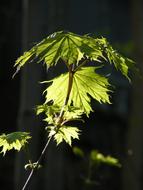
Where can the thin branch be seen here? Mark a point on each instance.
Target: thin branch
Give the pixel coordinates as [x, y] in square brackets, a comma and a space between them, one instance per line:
[59, 121]
[71, 73]
[37, 163]
[28, 179]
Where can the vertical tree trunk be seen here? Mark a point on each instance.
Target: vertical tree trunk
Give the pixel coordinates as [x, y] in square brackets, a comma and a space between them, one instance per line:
[132, 178]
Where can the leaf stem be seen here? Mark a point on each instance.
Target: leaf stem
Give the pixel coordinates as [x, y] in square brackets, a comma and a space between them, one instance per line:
[70, 82]
[83, 63]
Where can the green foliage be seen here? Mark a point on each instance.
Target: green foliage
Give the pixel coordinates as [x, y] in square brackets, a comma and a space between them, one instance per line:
[85, 82]
[72, 113]
[71, 49]
[52, 112]
[69, 95]
[92, 161]
[120, 62]
[15, 140]
[98, 158]
[64, 133]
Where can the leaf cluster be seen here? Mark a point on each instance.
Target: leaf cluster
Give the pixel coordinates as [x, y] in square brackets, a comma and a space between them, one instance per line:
[86, 84]
[69, 95]
[15, 140]
[71, 49]
[96, 158]
[92, 161]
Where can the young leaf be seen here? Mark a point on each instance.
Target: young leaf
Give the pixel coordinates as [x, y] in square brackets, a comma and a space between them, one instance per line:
[61, 44]
[85, 82]
[15, 140]
[48, 109]
[72, 113]
[57, 91]
[120, 62]
[69, 47]
[64, 133]
[98, 158]
[51, 112]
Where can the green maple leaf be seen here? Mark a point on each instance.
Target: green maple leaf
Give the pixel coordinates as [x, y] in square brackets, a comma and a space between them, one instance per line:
[64, 133]
[72, 113]
[85, 82]
[15, 140]
[69, 47]
[121, 63]
[53, 111]
[48, 109]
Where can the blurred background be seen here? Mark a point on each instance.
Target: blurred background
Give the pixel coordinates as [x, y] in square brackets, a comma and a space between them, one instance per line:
[115, 130]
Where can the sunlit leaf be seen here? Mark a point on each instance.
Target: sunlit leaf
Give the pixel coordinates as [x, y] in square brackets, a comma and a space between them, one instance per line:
[53, 111]
[121, 63]
[48, 109]
[98, 158]
[64, 133]
[57, 91]
[72, 113]
[69, 47]
[15, 140]
[85, 82]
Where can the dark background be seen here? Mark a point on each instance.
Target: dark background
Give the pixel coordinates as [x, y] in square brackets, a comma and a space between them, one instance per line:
[116, 129]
